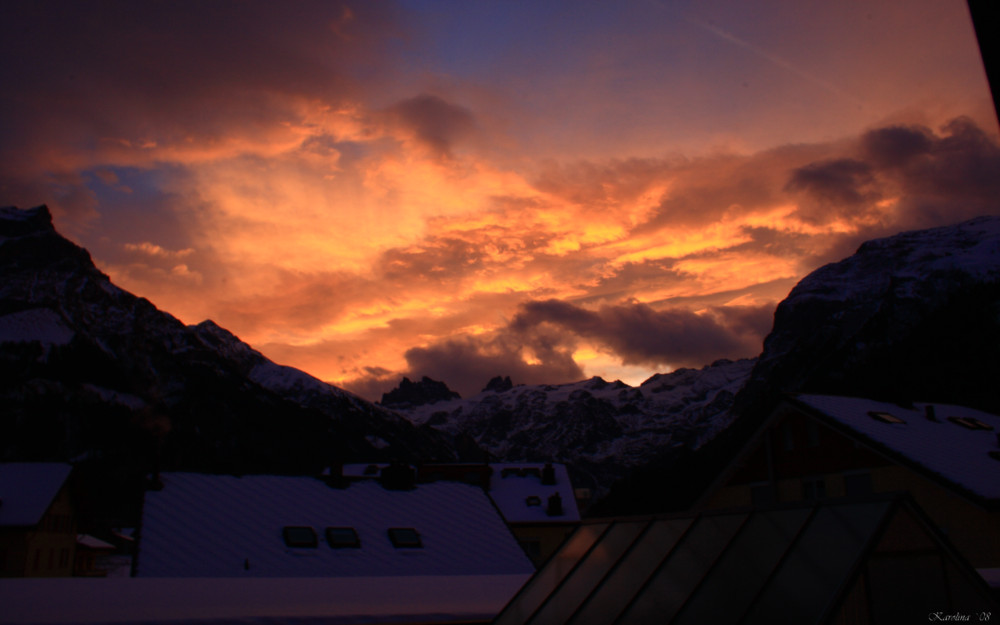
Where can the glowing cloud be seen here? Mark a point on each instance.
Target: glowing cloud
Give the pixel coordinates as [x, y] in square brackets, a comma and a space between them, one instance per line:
[371, 189]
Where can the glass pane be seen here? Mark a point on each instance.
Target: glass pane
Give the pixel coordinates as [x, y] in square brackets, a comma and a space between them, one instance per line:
[299, 537]
[907, 587]
[635, 567]
[342, 537]
[683, 570]
[592, 569]
[538, 588]
[405, 538]
[737, 578]
[808, 579]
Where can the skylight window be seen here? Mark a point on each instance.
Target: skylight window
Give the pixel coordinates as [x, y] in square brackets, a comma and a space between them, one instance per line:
[405, 538]
[971, 423]
[533, 500]
[299, 537]
[343, 538]
[884, 417]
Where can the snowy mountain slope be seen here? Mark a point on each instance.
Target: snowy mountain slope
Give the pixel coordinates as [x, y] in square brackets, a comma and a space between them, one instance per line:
[88, 370]
[915, 316]
[912, 316]
[599, 428]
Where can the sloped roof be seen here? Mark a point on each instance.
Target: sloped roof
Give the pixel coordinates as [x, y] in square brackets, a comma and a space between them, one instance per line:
[225, 526]
[27, 490]
[513, 485]
[942, 448]
[785, 564]
[93, 542]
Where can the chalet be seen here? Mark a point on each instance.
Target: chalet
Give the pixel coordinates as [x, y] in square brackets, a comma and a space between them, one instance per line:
[536, 500]
[858, 562]
[815, 447]
[37, 520]
[92, 555]
[538, 503]
[280, 546]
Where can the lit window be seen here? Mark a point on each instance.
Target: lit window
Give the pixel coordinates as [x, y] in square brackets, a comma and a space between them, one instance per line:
[301, 537]
[405, 538]
[343, 538]
[884, 417]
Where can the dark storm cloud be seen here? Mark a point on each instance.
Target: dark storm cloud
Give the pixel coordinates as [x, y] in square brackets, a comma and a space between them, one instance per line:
[642, 335]
[537, 345]
[956, 179]
[753, 321]
[467, 364]
[895, 146]
[929, 179]
[121, 82]
[436, 123]
[833, 189]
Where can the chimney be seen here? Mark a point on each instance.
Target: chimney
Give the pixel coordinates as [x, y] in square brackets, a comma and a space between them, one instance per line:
[930, 413]
[555, 507]
[335, 476]
[548, 475]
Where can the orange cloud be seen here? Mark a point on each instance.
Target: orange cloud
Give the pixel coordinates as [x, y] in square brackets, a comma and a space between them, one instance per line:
[336, 187]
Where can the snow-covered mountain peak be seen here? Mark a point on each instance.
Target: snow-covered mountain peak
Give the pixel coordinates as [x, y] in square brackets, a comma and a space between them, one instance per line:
[969, 250]
[600, 429]
[74, 345]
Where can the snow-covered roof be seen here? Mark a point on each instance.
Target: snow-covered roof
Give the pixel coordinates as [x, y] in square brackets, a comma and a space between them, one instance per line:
[27, 490]
[518, 491]
[966, 457]
[289, 601]
[92, 542]
[226, 526]
[516, 488]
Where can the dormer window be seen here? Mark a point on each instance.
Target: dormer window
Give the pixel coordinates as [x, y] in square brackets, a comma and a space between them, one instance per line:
[405, 538]
[884, 417]
[343, 538]
[299, 537]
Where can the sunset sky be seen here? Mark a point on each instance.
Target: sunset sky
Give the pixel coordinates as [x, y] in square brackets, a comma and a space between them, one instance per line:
[545, 190]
